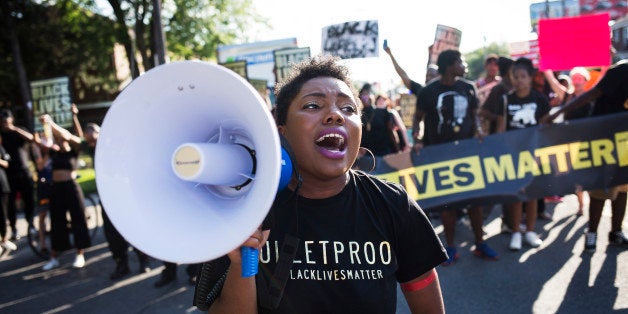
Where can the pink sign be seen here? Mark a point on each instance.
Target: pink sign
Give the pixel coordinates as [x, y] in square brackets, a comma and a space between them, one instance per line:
[565, 43]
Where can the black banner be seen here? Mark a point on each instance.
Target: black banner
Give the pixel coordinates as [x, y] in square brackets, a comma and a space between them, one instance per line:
[517, 165]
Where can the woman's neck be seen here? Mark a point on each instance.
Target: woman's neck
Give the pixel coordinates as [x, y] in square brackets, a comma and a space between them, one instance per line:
[315, 188]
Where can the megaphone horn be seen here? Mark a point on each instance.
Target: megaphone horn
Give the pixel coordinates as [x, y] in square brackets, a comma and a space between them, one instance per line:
[188, 161]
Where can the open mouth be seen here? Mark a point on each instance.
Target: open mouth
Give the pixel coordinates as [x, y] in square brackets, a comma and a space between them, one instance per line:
[332, 142]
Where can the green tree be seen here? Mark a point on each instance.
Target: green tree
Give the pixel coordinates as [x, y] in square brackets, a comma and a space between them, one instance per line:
[475, 58]
[193, 29]
[56, 39]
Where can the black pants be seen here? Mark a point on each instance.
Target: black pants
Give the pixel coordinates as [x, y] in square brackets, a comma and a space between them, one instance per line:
[68, 196]
[4, 200]
[117, 243]
[23, 183]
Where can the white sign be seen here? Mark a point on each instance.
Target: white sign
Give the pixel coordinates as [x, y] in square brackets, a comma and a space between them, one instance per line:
[349, 40]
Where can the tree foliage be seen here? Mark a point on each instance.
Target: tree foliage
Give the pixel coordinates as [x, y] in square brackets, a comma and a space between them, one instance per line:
[475, 59]
[193, 29]
[59, 39]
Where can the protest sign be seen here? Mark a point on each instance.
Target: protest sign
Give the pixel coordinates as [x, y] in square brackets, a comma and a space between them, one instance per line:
[284, 58]
[446, 38]
[238, 67]
[258, 56]
[52, 96]
[565, 43]
[528, 49]
[517, 165]
[358, 39]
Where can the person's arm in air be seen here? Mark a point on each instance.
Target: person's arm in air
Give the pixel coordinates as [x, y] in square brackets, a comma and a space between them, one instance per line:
[404, 76]
[239, 294]
[423, 294]
[27, 136]
[556, 86]
[77, 124]
[74, 140]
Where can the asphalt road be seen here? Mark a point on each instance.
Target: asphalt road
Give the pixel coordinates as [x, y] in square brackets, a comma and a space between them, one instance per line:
[555, 278]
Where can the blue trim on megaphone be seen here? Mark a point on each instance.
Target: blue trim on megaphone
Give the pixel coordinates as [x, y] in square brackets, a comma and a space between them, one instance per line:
[286, 169]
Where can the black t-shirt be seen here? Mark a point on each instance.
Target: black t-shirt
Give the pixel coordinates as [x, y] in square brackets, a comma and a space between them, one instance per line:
[525, 112]
[449, 111]
[614, 86]
[354, 247]
[377, 128]
[15, 146]
[495, 102]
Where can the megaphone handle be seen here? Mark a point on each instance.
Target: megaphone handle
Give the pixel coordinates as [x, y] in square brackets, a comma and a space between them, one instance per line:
[250, 259]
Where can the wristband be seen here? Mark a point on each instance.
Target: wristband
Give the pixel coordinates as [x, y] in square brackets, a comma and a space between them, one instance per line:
[419, 285]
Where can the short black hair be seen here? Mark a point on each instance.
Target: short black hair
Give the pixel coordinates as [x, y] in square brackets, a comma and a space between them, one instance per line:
[317, 66]
[447, 58]
[525, 64]
[504, 64]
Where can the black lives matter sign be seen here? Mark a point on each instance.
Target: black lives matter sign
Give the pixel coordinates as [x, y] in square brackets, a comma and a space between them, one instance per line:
[349, 40]
[52, 96]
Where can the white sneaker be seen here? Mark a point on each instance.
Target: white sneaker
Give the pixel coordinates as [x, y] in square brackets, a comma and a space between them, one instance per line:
[8, 245]
[515, 241]
[532, 239]
[79, 261]
[52, 263]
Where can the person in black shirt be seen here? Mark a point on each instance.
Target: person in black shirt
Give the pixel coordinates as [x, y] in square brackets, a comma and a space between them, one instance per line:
[448, 108]
[360, 235]
[15, 140]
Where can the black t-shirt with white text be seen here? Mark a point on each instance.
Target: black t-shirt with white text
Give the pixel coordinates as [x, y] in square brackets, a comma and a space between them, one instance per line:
[354, 247]
[525, 112]
[449, 111]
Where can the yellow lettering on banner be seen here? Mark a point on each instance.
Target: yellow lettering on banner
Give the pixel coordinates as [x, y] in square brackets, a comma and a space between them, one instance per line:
[621, 142]
[579, 155]
[441, 178]
[602, 149]
[499, 171]
[559, 151]
[527, 164]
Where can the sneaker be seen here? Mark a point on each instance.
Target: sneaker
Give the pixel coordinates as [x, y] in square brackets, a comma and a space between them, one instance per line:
[484, 251]
[515, 241]
[590, 240]
[617, 238]
[8, 245]
[79, 261]
[532, 239]
[52, 263]
[452, 252]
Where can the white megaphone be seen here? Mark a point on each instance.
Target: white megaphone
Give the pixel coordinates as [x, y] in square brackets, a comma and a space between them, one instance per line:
[188, 162]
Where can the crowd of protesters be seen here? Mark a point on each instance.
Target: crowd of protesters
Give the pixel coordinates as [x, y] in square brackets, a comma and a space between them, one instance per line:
[448, 108]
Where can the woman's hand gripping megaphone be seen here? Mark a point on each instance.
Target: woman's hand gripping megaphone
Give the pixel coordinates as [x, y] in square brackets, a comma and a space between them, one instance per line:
[249, 251]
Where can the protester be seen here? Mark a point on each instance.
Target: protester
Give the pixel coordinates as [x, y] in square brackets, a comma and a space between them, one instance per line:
[523, 107]
[43, 165]
[610, 96]
[66, 196]
[573, 87]
[448, 109]
[337, 207]
[15, 140]
[383, 131]
[490, 79]
[5, 244]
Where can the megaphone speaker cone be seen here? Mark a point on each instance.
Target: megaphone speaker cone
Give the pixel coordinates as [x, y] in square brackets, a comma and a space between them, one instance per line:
[196, 219]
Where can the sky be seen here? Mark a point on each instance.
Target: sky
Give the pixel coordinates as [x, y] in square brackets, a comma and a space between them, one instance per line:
[409, 27]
